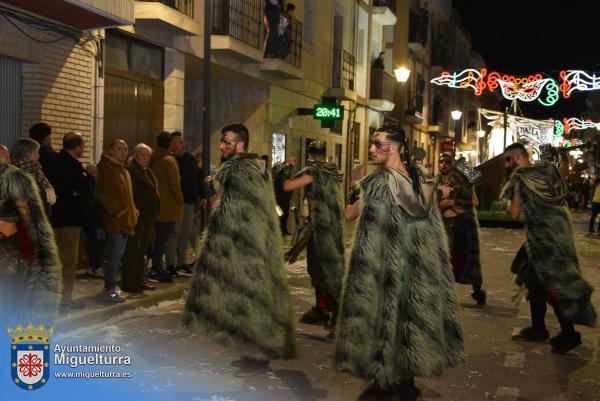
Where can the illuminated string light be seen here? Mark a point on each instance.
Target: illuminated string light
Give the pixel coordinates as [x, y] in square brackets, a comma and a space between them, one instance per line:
[578, 80]
[577, 124]
[469, 78]
[527, 89]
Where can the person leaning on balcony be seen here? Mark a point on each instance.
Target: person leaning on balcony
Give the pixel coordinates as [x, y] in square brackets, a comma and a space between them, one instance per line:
[274, 23]
[378, 63]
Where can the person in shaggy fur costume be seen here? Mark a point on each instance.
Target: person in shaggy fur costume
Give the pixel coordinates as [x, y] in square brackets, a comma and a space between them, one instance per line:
[456, 199]
[547, 263]
[239, 295]
[30, 271]
[399, 316]
[325, 249]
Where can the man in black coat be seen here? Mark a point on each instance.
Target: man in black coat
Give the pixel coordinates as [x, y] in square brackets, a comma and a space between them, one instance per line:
[71, 210]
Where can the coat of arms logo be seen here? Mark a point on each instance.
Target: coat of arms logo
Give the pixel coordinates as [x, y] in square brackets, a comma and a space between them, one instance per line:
[30, 356]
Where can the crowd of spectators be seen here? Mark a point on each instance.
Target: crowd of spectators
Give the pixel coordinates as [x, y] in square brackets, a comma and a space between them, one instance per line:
[130, 219]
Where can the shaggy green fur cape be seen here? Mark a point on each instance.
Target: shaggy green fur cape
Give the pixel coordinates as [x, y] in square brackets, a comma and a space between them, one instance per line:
[325, 251]
[399, 316]
[41, 283]
[239, 293]
[550, 241]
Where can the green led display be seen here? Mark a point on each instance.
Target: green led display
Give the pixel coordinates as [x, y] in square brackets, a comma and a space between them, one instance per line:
[328, 112]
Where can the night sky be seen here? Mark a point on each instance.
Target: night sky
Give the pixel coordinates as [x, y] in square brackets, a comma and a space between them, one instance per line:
[529, 36]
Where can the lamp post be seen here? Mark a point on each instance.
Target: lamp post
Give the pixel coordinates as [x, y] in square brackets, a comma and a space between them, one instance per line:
[480, 134]
[402, 74]
[456, 115]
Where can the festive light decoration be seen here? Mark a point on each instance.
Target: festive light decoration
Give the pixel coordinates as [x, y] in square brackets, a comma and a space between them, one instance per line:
[575, 123]
[469, 78]
[578, 80]
[526, 89]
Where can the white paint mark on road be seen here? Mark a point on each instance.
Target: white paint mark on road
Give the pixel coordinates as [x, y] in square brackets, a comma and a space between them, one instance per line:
[507, 393]
[514, 360]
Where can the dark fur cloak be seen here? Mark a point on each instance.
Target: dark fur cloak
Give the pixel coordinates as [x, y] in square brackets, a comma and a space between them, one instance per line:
[399, 316]
[239, 293]
[325, 250]
[41, 283]
[550, 243]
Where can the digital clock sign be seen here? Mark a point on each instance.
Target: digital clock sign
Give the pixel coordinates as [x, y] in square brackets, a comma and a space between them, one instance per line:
[328, 112]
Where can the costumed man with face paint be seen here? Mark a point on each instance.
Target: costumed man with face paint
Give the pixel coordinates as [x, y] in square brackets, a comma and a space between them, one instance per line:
[457, 203]
[325, 248]
[547, 264]
[239, 293]
[399, 317]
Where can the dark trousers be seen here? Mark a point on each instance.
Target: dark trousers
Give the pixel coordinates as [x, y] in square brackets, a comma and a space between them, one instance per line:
[283, 219]
[595, 212]
[132, 271]
[537, 304]
[163, 233]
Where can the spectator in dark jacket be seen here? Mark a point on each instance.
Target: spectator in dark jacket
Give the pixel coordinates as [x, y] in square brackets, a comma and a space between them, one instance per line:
[147, 201]
[179, 242]
[42, 133]
[71, 210]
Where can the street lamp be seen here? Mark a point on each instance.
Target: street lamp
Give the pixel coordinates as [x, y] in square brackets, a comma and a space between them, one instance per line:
[456, 115]
[402, 74]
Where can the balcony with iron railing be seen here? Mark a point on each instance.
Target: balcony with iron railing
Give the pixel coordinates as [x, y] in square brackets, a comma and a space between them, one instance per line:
[81, 14]
[343, 69]
[286, 60]
[418, 30]
[186, 7]
[174, 16]
[383, 85]
[239, 19]
[384, 12]
[342, 75]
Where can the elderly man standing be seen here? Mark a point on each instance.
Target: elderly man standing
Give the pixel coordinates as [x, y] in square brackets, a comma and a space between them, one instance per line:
[147, 201]
[118, 211]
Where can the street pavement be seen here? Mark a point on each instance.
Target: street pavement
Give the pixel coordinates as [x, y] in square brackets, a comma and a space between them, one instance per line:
[171, 363]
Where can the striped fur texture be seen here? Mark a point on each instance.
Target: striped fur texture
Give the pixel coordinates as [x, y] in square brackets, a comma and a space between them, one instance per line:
[239, 295]
[551, 249]
[399, 316]
[325, 251]
[43, 282]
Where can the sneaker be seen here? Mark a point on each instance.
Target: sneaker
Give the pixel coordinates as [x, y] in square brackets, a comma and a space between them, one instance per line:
[95, 272]
[113, 295]
[162, 277]
[479, 296]
[563, 343]
[183, 270]
[172, 271]
[532, 334]
[315, 316]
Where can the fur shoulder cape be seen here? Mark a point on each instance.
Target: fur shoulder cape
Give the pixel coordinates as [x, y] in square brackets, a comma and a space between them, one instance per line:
[43, 280]
[327, 250]
[550, 242]
[399, 316]
[239, 293]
